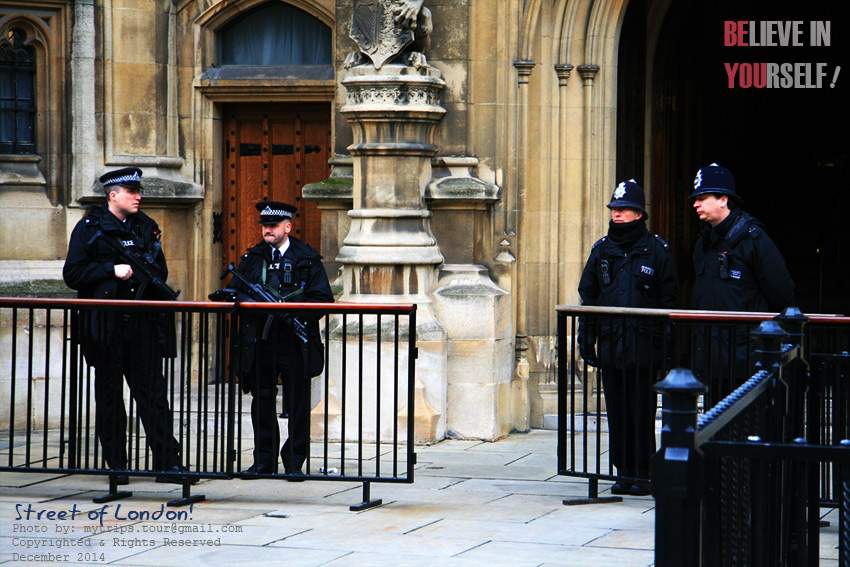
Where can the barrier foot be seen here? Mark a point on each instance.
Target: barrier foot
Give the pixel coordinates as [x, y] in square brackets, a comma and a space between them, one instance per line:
[114, 493]
[597, 500]
[366, 504]
[592, 496]
[187, 497]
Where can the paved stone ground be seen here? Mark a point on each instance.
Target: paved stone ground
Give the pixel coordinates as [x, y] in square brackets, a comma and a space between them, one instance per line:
[472, 503]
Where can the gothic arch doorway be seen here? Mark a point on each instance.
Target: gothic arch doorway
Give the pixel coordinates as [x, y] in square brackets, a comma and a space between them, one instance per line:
[788, 148]
[268, 67]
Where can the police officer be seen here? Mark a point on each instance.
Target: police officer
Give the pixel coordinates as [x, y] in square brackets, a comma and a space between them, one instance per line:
[738, 268]
[294, 271]
[126, 345]
[628, 268]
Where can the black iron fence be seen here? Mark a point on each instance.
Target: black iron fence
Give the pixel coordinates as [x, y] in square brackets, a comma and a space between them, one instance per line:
[744, 483]
[600, 407]
[361, 405]
[633, 348]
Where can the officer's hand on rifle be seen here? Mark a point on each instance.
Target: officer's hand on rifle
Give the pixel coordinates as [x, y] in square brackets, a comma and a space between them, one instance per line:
[123, 271]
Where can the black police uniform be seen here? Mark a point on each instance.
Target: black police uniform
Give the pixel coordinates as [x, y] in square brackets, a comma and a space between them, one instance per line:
[631, 269]
[738, 268]
[628, 268]
[122, 344]
[280, 354]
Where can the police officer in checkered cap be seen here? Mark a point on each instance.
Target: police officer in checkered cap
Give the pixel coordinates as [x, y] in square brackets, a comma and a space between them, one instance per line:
[293, 270]
[273, 212]
[628, 268]
[738, 268]
[124, 346]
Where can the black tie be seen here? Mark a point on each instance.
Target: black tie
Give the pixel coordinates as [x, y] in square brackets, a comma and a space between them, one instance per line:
[276, 255]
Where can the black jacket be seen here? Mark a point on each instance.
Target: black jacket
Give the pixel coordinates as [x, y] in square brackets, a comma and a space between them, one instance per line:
[90, 269]
[754, 277]
[306, 272]
[90, 264]
[639, 274]
[738, 268]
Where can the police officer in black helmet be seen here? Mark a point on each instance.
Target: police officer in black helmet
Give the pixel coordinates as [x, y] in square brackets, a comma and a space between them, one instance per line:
[628, 268]
[293, 270]
[737, 268]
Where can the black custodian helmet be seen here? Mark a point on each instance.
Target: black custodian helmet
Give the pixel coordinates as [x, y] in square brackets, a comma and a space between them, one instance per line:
[714, 179]
[629, 194]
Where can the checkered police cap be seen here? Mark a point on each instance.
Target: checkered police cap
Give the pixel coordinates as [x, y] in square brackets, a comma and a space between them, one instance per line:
[130, 177]
[272, 212]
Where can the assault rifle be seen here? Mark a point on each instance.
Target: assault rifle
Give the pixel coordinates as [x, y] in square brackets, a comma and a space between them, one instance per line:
[265, 294]
[144, 267]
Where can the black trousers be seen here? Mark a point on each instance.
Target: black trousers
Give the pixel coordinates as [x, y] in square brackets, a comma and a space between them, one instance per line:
[133, 353]
[631, 405]
[721, 359]
[272, 360]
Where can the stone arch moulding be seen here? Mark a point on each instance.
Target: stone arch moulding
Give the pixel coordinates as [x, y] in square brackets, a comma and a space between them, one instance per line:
[38, 33]
[597, 24]
[603, 30]
[220, 13]
[529, 29]
[43, 168]
[603, 36]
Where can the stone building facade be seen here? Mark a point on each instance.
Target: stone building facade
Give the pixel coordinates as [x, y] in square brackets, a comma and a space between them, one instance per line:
[548, 104]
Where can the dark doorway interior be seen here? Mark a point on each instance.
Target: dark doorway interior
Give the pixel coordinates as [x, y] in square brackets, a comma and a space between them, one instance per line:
[787, 147]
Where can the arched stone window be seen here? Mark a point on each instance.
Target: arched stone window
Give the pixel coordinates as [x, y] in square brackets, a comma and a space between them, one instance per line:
[17, 94]
[276, 34]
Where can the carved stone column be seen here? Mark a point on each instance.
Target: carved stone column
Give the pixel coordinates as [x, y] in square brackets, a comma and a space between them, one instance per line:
[591, 214]
[390, 254]
[545, 348]
[392, 112]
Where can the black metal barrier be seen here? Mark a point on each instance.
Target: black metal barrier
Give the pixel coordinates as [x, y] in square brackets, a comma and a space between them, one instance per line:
[715, 344]
[740, 485]
[362, 409]
[584, 448]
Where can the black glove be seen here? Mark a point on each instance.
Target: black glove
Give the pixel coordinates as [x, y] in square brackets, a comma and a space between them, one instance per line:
[225, 294]
[588, 353]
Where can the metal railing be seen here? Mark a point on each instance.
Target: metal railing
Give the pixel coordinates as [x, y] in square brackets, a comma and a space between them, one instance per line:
[584, 418]
[740, 484]
[362, 410]
[715, 345]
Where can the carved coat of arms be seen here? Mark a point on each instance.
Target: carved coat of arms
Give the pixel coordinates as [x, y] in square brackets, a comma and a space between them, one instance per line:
[374, 29]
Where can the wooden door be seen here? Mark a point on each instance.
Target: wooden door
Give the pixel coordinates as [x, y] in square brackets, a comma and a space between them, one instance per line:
[270, 153]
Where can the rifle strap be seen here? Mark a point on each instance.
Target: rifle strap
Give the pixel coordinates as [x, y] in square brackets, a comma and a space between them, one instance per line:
[269, 288]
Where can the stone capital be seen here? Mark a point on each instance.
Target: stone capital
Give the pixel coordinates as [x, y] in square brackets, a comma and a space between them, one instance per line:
[563, 72]
[588, 73]
[524, 69]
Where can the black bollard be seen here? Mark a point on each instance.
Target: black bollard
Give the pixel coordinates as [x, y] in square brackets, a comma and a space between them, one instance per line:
[677, 473]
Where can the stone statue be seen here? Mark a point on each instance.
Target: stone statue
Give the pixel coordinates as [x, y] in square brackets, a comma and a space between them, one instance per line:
[390, 31]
